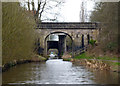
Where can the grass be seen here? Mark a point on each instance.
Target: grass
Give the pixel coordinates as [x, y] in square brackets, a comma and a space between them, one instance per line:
[83, 56]
[107, 58]
[66, 59]
[117, 63]
[71, 53]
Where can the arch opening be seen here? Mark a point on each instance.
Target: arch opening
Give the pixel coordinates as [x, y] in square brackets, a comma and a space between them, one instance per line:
[60, 45]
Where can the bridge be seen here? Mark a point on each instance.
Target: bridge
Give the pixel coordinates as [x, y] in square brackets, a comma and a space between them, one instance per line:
[79, 34]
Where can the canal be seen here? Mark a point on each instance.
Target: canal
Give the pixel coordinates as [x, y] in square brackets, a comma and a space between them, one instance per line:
[56, 71]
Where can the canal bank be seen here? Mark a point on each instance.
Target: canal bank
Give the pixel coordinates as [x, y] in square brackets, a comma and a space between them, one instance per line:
[89, 62]
[10, 64]
[97, 63]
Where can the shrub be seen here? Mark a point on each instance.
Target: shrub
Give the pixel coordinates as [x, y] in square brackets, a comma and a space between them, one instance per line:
[17, 32]
[92, 42]
[111, 46]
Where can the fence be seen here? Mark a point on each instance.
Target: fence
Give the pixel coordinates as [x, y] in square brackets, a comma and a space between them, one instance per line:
[80, 50]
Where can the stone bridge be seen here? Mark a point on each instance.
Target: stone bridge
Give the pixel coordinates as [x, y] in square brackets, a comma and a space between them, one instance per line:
[79, 32]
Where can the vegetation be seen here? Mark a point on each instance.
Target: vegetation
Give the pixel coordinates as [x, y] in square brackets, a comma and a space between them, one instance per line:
[83, 56]
[107, 14]
[66, 59]
[111, 61]
[107, 58]
[117, 63]
[17, 32]
[92, 42]
[44, 9]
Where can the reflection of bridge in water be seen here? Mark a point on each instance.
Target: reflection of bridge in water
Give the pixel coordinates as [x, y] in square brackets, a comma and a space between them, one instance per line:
[55, 35]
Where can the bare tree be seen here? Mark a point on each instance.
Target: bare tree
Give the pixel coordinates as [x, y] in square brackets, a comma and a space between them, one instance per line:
[42, 9]
[33, 7]
[83, 11]
[44, 6]
[28, 5]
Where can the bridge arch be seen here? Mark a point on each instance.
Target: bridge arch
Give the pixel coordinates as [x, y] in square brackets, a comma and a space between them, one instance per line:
[56, 32]
[59, 32]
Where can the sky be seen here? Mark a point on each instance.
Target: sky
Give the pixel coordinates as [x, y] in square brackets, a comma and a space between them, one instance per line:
[70, 12]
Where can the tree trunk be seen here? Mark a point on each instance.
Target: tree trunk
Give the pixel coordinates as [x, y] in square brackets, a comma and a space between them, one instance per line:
[28, 5]
[33, 8]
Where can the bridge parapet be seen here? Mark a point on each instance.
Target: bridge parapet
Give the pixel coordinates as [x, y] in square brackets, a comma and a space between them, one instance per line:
[68, 25]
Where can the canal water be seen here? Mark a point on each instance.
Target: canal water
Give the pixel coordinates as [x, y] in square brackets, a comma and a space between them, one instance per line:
[56, 71]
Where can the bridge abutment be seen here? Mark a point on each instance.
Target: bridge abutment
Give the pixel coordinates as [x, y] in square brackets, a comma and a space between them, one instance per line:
[62, 45]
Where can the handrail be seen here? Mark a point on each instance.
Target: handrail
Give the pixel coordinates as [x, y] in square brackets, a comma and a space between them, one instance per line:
[82, 50]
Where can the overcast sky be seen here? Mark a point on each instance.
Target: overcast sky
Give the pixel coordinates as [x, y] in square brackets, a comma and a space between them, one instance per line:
[71, 10]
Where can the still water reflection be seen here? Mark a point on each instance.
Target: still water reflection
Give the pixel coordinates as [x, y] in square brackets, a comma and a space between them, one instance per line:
[56, 71]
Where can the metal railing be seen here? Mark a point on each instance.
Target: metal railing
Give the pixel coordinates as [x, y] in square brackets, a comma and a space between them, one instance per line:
[80, 51]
